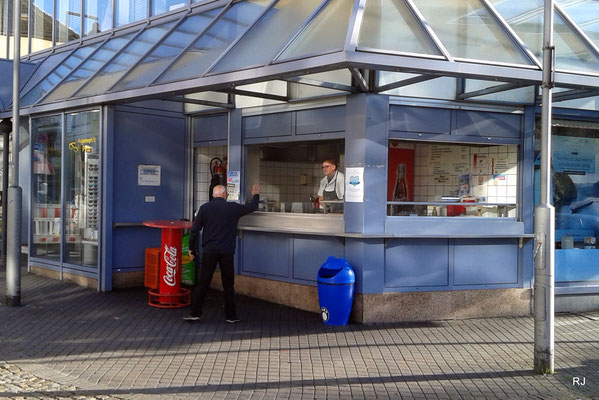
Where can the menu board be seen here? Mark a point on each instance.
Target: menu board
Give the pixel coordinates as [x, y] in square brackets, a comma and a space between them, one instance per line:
[446, 160]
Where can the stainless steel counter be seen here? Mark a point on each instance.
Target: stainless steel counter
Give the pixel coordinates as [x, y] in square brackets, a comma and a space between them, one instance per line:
[334, 225]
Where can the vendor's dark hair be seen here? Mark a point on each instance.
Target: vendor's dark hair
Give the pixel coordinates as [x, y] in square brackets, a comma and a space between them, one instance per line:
[332, 162]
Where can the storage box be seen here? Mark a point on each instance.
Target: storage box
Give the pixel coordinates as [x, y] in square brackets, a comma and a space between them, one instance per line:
[152, 267]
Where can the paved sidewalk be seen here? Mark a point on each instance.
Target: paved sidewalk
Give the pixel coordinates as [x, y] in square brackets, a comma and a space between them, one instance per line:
[75, 343]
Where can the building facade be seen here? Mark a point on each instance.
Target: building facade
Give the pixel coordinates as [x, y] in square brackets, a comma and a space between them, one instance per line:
[432, 117]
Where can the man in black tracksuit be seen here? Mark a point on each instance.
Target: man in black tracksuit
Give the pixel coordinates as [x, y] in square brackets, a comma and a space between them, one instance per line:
[218, 220]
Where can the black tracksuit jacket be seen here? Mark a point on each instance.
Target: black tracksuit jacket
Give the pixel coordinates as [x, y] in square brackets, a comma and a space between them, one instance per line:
[218, 220]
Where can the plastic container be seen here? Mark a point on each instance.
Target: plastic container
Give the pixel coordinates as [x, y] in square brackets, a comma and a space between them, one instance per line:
[336, 281]
[188, 266]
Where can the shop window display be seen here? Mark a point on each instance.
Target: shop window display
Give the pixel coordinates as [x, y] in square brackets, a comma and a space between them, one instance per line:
[575, 196]
[82, 174]
[46, 187]
[451, 180]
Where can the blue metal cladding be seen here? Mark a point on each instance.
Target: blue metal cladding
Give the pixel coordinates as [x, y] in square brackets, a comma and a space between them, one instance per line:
[417, 263]
[267, 254]
[310, 252]
[487, 124]
[419, 119]
[485, 262]
[269, 125]
[141, 138]
[210, 128]
[330, 119]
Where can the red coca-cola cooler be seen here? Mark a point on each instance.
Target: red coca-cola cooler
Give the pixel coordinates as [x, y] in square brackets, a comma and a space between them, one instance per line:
[169, 293]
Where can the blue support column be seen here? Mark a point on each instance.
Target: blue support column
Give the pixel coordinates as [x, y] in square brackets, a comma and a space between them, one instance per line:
[107, 151]
[235, 163]
[235, 160]
[366, 146]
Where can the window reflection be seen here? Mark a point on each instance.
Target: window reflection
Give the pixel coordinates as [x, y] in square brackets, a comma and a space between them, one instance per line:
[82, 173]
[162, 6]
[128, 11]
[98, 16]
[46, 187]
[68, 20]
[41, 24]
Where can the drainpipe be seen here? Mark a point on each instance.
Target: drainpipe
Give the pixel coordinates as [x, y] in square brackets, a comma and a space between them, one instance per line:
[544, 288]
[15, 203]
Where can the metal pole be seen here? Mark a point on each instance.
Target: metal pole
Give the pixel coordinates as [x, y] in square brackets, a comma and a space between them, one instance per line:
[5, 128]
[13, 230]
[544, 287]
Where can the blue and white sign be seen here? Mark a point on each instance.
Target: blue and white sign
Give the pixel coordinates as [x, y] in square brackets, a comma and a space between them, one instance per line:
[354, 185]
[233, 184]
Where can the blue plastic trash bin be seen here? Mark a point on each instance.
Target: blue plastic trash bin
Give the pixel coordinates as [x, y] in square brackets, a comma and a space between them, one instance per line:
[336, 281]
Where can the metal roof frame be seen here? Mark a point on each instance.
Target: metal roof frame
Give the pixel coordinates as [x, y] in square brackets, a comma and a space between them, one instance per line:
[362, 63]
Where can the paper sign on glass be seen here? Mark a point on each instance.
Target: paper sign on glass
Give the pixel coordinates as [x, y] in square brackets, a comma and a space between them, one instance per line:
[354, 185]
[233, 179]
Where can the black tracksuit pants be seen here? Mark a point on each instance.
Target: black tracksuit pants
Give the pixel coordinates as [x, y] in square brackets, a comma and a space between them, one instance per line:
[227, 272]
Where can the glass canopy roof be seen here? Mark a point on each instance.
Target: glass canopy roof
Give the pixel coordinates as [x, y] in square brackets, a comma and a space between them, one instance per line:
[484, 47]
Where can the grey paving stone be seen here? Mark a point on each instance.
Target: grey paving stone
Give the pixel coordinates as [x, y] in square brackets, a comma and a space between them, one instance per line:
[70, 342]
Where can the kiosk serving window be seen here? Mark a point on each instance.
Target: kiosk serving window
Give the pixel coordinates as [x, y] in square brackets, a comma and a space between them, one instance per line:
[450, 180]
[290, 176]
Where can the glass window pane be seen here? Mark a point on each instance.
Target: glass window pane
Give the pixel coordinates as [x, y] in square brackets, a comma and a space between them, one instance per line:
[469, 31]
[3, 28]
[390, 25]
[585, 13]
[24, 31]
[438, 88]
[112, 72]
[41, 24]
[57, 75]
[47, 65]
[262, 43]
[213, 42]
[128, 11]
[415, 190]
[68, 20]
[520, 95]
[170, 47]
[162, 6]
[82, 179]
[526, 18]
[325, 34]
[86, 69]
[97, 17]
[46, 186]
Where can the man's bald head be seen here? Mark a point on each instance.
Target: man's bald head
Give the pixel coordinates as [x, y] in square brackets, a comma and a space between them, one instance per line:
[219, 191]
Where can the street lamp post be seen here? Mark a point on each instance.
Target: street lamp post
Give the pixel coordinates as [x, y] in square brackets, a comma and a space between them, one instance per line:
[13, 229]
[544, 287]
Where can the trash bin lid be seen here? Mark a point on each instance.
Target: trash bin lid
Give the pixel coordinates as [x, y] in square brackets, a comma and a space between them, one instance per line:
[336, 271]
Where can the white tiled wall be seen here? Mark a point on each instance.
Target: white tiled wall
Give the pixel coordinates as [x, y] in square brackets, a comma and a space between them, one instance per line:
[289, 181]
[486, 179]
[202, 175]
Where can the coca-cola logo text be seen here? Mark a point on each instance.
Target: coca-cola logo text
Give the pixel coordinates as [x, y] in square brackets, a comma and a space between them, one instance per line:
[170, 258]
